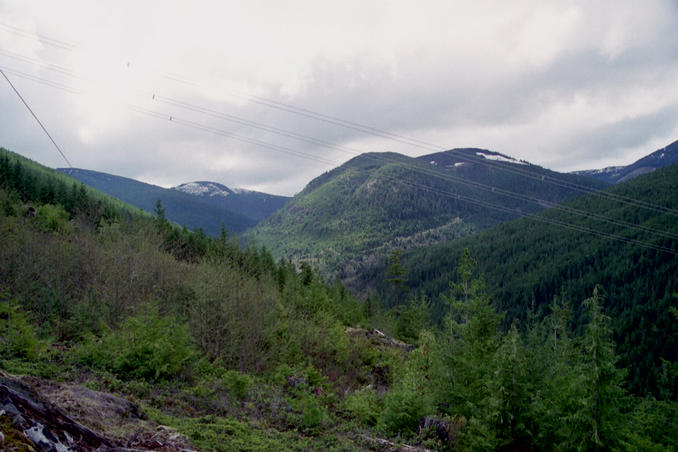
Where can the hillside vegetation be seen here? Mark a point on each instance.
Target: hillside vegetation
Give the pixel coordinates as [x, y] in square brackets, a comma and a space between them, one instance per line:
[239, 352]
[350, 218]
[527, 263]
[187, 210]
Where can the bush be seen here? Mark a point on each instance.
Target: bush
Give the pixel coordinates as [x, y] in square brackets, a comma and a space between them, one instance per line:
[53, 218]
[147, 346]
[309, 412]
[238, 384]
[403, 407]
[363, 405]
[17, 336]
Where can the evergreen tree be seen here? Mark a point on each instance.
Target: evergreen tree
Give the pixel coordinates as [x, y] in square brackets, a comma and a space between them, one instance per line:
[395, 274]
[597, 423]
[162, 224]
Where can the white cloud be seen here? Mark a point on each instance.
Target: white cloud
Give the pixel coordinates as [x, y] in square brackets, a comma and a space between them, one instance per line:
[568, 85]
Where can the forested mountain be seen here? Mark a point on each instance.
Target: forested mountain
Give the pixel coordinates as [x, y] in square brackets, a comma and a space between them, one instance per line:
[526, 263]
[251, 204]
[185, 209]
[209, 346]
[349, 218]
[668, 155]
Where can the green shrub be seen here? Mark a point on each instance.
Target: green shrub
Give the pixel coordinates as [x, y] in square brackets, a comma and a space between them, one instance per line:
[403, 407]
[363, 405]
[309, 413]
[53, 218]
[238, 384]
[279, 376]
[17, 336]
[147, 346]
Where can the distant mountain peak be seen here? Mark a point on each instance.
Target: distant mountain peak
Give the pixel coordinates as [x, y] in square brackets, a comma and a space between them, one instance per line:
[457, 157]
[660, 158]
[496, 156]
[205, 189]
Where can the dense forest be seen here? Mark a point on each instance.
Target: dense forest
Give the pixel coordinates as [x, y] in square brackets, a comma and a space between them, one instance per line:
[240, 352]
[349, 218]
[527, 262]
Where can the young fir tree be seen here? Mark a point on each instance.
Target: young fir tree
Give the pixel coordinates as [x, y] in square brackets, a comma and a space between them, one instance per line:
[395, 274]
[596, 421]
[473, 350]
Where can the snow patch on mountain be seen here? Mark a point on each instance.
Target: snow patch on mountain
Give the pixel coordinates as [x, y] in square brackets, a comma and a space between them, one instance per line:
[204, 189]
[500, 158]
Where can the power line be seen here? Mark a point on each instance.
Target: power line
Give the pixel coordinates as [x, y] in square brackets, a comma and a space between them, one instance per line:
[50, 66]
[377, 157]
[44, 81]
[549, 179]
[445, 193]
[44, 39]
[36, 118]
[227, 134]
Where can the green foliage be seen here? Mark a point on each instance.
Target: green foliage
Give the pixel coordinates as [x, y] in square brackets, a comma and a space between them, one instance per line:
[237, 383]
[363, 405]
[395, 275]
[53, 218]
[652, 426]
[234, 335]
[17, 336]
[226, 434]
[412, 318]
[147, 346]
[310, 414]
[526, 263]
[414, 393]
[349, 219]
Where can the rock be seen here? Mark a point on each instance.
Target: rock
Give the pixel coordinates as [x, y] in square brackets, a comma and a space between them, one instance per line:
[378, 338]
[443, 430]
[81, 420]
[294, 381]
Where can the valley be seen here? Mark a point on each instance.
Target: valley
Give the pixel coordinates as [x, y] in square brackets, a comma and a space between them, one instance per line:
[466, 260]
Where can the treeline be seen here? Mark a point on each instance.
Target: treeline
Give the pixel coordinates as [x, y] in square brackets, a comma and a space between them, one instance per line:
[30, 182]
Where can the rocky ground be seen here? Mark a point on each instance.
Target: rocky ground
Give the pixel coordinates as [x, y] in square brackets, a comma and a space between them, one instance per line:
[41, 415]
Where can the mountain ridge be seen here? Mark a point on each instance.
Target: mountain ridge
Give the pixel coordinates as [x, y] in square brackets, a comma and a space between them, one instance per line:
[184, 209]
[377, 200]
[660, 158]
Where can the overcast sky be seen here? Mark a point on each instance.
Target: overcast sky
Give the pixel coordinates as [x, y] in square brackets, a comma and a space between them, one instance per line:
[564, 84]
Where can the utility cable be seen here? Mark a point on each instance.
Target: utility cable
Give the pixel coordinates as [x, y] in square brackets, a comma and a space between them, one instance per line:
[445, 193]
[549, 179]
[36, 118]
[376, 157]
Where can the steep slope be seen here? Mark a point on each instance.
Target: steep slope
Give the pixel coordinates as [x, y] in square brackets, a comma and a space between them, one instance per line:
[526, 263]
[666, 156]
[182, 208]
[251, 204]
[349, 218]
[48, 185]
